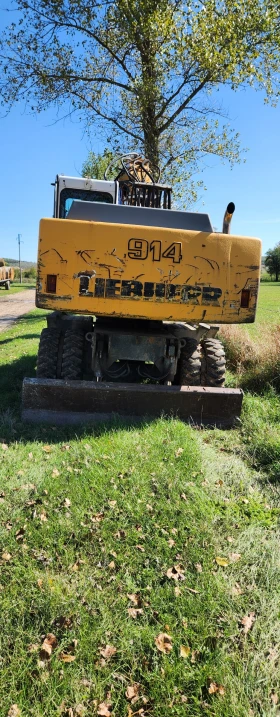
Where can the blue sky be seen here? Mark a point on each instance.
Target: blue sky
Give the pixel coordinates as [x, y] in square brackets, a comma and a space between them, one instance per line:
[35, 148]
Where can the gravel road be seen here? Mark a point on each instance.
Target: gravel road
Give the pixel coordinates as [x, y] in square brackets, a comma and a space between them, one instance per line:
[15, 305]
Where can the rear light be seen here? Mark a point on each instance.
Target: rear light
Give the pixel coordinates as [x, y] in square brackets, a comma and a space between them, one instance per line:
[51, 283]
[245, 298]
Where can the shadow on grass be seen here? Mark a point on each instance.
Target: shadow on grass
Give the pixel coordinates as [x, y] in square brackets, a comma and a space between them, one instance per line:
[23, 336]
[260, 380]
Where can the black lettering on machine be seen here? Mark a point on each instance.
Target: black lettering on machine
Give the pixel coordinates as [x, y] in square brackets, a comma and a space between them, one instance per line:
[153, 291]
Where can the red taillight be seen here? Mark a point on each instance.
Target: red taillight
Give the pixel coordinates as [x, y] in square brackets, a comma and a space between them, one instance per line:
[245, 298]
[51, 283]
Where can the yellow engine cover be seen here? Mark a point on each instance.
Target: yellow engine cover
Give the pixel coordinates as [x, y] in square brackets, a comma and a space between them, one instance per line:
[141, 272]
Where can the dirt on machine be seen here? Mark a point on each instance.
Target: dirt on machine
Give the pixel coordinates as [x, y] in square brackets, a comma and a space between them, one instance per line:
[138, 292]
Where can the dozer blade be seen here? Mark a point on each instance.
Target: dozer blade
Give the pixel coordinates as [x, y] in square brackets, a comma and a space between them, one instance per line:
[64, 402]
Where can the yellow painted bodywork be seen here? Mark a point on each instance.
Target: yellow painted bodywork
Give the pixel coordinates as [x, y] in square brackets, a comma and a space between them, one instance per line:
[173, 274]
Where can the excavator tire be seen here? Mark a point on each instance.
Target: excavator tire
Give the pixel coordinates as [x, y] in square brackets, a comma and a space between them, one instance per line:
[189, 368]
[48, 353]
[213, 364]
[72, 356]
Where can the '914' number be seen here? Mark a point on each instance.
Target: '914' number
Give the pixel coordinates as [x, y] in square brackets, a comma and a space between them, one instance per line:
[140, 249]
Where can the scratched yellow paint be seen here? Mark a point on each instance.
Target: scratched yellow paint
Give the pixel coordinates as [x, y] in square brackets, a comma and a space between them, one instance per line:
[146, 272]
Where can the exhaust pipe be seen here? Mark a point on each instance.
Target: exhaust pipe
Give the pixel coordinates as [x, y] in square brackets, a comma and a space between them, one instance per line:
[228, 217]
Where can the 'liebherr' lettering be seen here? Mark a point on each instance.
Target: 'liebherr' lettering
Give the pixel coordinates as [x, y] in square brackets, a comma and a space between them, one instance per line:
[152, 291]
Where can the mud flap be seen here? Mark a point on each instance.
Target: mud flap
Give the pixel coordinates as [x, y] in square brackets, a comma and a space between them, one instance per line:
[74, 402]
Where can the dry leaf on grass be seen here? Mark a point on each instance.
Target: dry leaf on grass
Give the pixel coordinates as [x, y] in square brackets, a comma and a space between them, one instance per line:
[133, 597]
[234, 557]
[140, 547]
[223, 562]
[185, 651]
[216, 689]
[198, 567]
[111, 565]
[176, 573]
[14, 711]
[247, 622]
[108, 651]
[236, 590]
[65, 657]
[274, 698]
[104, 709]
[40, 583]
[43, 516]
[135, 612]
[164, 643]
[49, 644]
[132, 692]
[46, 449]
[4, 446]
[177, 591]
[6, 557]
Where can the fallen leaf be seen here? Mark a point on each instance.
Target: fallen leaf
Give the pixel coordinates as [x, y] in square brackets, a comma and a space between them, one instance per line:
[185, 651]
[171, 542]
[135, 612]
[176, 573]
[30, 455]
[112, 503]
[4, 446]
[223, 562]
[104, 709]
[183, 496]
[79, 710]
[236, 590]
[43, 517]
[134, 598]
[20, 533]
[248, 621]
[194, 656]
[14, 711]
[108, 651]
[47, 449]
[164, 642]
[6, 556]
[65, 657]
[214, 688]
[55, 473]
[132, 691]
[112, 565]
[230, 539]
[50, 642]
[140, 547]
[198, 567]
[177, 591]
[234, 557]
[184, 698]
[40, 583]
[179, 452]
[274, 698]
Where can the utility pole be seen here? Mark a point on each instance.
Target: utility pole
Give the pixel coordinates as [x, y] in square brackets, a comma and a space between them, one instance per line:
[19, 261]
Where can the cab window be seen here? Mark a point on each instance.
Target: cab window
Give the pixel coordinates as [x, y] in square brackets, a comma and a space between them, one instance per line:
[67, 197]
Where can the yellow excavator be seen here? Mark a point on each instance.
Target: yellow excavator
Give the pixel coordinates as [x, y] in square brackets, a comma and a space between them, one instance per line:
[137, 291]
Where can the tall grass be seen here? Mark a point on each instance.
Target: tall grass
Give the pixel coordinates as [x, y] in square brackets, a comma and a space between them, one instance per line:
[255, 360]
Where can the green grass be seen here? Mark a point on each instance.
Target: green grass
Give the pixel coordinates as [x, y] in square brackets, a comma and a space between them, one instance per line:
[268, 310]
[92, 515]
[15, 288]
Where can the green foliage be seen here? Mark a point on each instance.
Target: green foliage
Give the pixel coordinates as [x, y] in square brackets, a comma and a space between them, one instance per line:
[144, 70]
[96, 164]
[272, 261]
